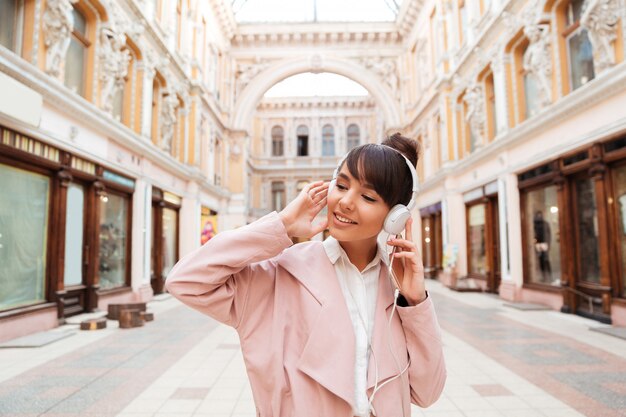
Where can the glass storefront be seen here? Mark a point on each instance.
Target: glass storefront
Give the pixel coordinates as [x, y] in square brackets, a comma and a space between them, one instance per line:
[477, 239]
[587, 224]
[24, 199]
[170, 232]
[73, 266]
[619, 183]
[113, 241]
[541, 228]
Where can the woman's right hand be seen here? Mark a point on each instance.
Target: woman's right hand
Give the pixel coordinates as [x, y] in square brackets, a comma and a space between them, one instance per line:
[299, 214]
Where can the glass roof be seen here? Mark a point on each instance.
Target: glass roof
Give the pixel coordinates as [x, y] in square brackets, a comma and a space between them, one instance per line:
[311, 11]
[310, 85]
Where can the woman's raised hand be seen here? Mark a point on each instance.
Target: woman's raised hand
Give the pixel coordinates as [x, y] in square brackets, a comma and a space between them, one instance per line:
[407, 266]
[299, 214]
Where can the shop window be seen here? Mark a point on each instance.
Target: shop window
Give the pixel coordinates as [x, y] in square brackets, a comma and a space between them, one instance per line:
[303, 140]
[278, 141]
[24, 200]
[10, 18]
[328, 140]
[542, 252]
[77, 54]
[477, 239]
[578, 46]
[114, 233]
[619, 185]
[354, 136]
[74, 235]
[169, 238]
[587, 229]
[278, 195]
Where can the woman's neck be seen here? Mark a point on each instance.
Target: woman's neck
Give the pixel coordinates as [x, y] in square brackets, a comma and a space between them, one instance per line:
[360, 252]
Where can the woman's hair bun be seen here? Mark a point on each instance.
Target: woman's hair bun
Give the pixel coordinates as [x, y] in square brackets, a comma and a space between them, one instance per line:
[408, 147]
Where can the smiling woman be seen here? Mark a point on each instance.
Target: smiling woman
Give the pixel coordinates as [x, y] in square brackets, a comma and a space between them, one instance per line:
[288, 304]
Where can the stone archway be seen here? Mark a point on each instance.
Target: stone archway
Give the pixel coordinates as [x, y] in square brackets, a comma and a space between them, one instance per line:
[250, 96]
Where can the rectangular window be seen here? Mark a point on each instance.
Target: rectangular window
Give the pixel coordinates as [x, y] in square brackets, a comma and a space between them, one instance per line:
[477, 240]
[113, 240]
[541, 230]
[9, 24]
[579, 49]
[619, 184]
[76, 57]
[74, 215]
[24, 199]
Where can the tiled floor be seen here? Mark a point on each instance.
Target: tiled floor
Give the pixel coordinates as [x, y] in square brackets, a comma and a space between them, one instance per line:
[501, 362]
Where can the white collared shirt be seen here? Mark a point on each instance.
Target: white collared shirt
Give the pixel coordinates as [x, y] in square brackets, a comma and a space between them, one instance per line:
[360, 290]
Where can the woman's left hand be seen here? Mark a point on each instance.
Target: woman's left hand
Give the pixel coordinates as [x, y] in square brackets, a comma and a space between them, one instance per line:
[407, 266]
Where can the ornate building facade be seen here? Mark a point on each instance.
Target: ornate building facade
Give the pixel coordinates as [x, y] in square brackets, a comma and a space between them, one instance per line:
[126, 126]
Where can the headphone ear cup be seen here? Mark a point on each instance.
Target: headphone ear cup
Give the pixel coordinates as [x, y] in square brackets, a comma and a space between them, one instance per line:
[331, 185]
[396, 219]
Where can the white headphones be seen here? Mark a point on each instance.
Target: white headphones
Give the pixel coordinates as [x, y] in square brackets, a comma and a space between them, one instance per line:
[399, 214]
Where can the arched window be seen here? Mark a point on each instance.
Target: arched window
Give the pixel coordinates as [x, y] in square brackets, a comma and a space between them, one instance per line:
[123, 99]
[278, 140]
[354, 136]
[10, 17]
[77, 54]
[328, 140]
[303, 140]
[158, 86]
[578, 46]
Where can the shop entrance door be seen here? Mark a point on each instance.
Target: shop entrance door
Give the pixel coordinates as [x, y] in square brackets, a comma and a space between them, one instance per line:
[76, 252]
[493, 239]
[587, 289]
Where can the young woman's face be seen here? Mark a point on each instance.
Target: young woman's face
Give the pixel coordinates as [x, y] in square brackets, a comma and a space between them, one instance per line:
[355, 210]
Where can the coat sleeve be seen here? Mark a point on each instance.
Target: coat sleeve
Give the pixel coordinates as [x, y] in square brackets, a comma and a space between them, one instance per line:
[427, 372]
[220, 278]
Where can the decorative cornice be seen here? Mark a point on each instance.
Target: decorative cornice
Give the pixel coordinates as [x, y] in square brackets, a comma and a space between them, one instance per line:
[315, 103]
[224, 15]
[312, 34]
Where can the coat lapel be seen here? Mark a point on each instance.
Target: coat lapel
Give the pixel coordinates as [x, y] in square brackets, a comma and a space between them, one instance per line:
[328, 355]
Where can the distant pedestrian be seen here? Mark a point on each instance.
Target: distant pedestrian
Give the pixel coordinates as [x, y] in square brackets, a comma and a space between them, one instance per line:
[323, 330]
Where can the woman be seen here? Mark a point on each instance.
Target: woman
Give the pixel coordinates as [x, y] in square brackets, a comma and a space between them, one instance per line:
[316, 320]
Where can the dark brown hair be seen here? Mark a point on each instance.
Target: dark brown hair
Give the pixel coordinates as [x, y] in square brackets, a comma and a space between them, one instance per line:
[384, 168]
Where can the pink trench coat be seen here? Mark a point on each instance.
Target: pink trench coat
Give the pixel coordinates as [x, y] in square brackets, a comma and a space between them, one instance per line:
[296, 335]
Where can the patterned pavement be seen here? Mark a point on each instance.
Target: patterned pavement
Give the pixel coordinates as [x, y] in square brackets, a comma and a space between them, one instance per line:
[501, 362]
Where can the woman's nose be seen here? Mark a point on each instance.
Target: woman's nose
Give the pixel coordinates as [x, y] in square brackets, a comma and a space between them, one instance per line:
[346, 202]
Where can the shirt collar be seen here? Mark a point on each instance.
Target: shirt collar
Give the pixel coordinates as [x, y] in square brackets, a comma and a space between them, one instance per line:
[334, 251]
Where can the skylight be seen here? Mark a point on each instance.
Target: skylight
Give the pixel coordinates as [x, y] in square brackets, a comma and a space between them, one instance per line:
[311, 85]
[309, 11]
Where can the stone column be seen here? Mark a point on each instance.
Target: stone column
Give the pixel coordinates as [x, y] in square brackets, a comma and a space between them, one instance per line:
[140, 252]
[499, 80]
[509, 289]
[454, 223]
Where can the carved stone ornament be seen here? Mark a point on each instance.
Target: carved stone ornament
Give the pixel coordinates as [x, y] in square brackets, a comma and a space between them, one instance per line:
[476, 116]
[168, 118]
[537, 60]
[386, 70]
[114, 60]
[600, 18]
[58, 24]
[245, 73]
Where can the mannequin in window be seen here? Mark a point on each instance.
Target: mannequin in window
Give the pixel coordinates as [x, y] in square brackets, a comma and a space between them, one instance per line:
[543, 238]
